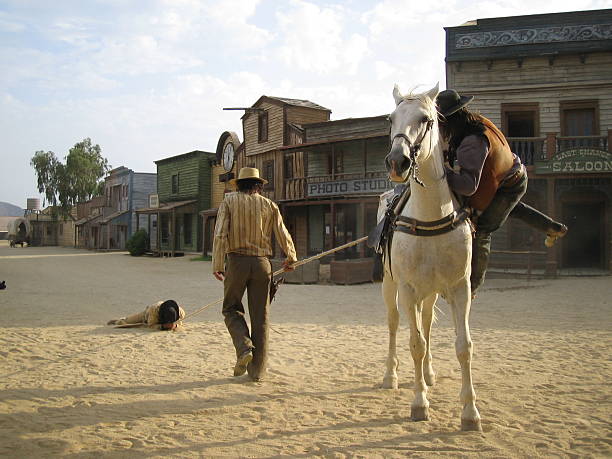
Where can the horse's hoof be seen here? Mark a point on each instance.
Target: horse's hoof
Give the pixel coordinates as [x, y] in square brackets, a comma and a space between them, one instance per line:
[390, 382]
[471, 425]
[419, 413]
[430, 379]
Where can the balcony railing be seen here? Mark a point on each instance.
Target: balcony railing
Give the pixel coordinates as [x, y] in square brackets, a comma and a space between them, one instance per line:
[592, 141]
[529, 149]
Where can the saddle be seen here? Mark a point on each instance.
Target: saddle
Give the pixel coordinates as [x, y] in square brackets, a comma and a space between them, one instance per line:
[380, 237]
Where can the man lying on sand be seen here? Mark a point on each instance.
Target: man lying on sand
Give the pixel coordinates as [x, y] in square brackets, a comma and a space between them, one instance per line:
[165, 315]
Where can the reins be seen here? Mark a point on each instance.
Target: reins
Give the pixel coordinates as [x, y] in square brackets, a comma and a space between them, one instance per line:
[414, 148]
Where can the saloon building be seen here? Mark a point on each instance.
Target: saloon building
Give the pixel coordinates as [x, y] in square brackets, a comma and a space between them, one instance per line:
[546, 80]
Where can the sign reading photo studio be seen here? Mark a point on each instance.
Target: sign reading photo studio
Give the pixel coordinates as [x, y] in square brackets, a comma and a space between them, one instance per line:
[577, 160]
[343, 187]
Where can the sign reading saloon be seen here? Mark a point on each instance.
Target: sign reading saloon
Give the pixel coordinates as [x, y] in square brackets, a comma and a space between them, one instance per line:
[342, 187]
[576, 161]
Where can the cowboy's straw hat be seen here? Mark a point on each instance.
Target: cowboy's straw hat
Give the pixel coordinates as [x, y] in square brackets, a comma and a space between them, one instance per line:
[248, 173]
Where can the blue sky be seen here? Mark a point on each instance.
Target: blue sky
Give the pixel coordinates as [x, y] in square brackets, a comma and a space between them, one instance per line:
[148, 79]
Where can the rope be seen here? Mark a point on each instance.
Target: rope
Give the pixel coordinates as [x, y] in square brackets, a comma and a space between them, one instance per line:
[295, 265]
[220, 300]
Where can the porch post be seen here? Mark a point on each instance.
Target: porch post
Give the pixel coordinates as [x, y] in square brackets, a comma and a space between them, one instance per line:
[159, 250]
[173, 224]
[551, 144]
[551, 254]
[365, 229]
[333, 225]
[610, 140]
[333, 163]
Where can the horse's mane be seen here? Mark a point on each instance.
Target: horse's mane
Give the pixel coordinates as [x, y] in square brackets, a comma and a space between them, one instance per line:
[428, 102]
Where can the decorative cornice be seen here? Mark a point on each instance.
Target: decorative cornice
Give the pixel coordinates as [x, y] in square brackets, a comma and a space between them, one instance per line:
[534, 35]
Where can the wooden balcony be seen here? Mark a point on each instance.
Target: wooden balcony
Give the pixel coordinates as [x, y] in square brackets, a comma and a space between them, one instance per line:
[529, 149]
[585, 141]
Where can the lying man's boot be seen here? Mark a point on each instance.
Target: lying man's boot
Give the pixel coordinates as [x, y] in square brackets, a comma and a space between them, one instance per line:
[241, 363]
[552, 236]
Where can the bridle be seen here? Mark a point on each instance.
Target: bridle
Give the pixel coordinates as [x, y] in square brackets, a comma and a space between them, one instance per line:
[414, 149]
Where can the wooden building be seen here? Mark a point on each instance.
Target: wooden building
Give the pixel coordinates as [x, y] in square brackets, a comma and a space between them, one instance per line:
[49, 228]
[546, 80]
[107, 222]
[325, 175]
[223, 170]
[183, 191]
[332, 197]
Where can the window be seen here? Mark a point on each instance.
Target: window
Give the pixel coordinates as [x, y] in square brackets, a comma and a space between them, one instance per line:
[262, 127]
[288, 166]
[335, 162]
[268, 173]
[175, 184]
[187, 228]
[579, 119]
[520, 123]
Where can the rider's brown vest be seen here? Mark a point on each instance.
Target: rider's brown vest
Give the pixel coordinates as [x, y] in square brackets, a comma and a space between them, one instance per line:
[496, 167]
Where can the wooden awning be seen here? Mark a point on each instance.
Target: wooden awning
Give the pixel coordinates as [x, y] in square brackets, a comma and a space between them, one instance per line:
[87, 219]
[209, 212]
[113, 216]
[165, 207]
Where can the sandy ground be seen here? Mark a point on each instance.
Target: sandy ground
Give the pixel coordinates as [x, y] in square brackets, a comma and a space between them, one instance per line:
[72, 387]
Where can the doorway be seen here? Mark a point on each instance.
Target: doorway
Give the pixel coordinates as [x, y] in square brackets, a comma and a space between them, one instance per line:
[583, 247]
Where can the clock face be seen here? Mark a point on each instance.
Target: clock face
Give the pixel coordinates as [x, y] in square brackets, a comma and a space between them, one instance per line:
[228, 157]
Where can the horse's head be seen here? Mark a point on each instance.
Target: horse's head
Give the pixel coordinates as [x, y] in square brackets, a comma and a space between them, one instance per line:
[412, 123]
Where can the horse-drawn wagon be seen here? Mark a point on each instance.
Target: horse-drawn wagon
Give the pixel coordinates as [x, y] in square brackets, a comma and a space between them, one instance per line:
[19, 232]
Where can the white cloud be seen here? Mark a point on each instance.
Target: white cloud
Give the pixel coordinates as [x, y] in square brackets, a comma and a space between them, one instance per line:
[148, 80]
[9, 24]
[313, 39]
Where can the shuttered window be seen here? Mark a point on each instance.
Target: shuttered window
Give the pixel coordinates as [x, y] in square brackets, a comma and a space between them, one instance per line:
[262, 127]
[268, 173]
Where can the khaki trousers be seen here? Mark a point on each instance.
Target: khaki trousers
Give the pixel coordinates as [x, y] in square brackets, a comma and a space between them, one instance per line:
[253, 274]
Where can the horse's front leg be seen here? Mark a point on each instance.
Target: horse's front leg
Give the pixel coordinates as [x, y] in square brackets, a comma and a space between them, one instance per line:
[460, 302]
[419, 410]
[389, 291]
[428, 317]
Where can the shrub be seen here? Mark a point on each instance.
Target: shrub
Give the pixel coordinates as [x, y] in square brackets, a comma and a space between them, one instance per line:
[137, 244]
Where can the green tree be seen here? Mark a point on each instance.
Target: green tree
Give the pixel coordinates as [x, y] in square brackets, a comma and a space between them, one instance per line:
[79, 179]
[138, 243]
[45, 164]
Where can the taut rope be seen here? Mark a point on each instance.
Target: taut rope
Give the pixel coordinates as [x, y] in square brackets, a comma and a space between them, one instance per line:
[276, 273]
[130, 337]
[295, 265]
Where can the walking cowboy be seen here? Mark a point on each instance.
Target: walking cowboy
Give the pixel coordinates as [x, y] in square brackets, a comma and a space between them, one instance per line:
[245, 222]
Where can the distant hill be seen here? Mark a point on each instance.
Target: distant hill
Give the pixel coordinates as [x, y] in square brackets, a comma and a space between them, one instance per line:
[10, 210]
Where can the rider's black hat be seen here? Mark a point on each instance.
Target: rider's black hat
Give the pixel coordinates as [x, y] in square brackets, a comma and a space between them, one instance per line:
[168, 312]
[449, 101]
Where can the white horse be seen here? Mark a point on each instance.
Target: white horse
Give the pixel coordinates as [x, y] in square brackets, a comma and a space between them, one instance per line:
[429, 254]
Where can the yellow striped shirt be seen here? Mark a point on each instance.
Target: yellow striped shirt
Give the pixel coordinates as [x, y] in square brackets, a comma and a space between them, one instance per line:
[244, 225]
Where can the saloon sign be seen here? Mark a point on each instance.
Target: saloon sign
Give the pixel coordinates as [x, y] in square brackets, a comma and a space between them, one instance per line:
[342, 187]
[576, 161]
